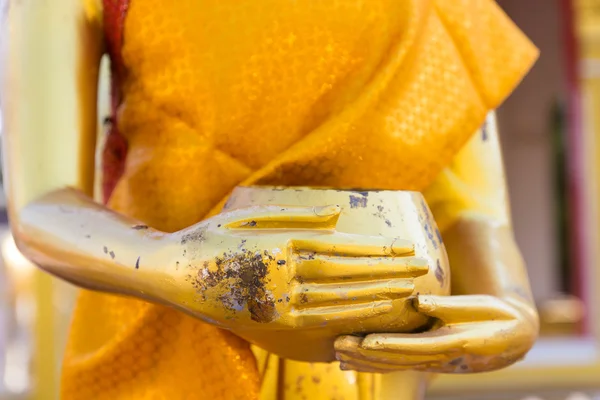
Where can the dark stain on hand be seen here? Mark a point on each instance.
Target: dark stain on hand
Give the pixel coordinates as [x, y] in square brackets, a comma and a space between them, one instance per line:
[139, 227]
[243, 277]
[484, 131]
[358, 202]
[303, 298]
[457, 361]
[192, 242]
[439, 273]
[439, 236]
[194, 236]
[428, 224]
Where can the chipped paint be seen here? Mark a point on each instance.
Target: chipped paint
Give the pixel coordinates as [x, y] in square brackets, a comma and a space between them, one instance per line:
[439, 274]
[196, 236]
[242, 278]
[358, 202]
[484, 131]
[428, 225]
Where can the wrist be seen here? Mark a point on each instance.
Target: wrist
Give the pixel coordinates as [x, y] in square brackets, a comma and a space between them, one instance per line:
[184, 265]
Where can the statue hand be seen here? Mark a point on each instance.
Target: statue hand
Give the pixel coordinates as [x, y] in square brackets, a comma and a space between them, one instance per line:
[272, 267]
[477, 333]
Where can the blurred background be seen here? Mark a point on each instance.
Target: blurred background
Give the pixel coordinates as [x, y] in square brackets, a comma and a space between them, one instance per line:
[550, 132]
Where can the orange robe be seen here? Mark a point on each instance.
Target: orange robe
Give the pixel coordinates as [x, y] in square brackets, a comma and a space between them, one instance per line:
[210, 94]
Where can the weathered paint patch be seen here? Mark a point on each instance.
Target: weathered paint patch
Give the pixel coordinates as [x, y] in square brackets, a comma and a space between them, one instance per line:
[439, 235]
[358, 202]
[195, 236]
[484, 132]
[439, 274]
[242, 276]
[192, 242]
[381, 213]
[428, 224]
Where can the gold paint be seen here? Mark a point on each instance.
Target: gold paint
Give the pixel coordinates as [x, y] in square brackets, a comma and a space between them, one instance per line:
[79, 240]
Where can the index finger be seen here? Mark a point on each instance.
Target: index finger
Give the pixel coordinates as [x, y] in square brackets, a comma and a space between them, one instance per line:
[283, 217]
[352, 245]
[316, 267]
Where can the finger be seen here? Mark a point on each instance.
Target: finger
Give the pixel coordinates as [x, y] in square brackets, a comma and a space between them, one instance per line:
[317, 267]
[348, 343]
[349, 350]
[334, 315]
[368, 364]
[362, 365]
[454, 365]
[461, 309]
[277, 217]
[346, 244]
[445, 341]
[310, 295]
[348, 346]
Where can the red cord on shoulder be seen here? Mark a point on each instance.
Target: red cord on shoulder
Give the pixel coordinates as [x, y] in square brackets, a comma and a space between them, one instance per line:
[115, 146]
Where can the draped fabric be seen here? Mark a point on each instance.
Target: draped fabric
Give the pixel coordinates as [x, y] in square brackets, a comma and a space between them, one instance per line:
[210, 94]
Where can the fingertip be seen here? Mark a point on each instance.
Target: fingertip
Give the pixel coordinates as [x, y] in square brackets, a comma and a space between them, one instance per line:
[345, 367]
[402, 247]
[424, 304]
[418, 267]
[328, 211]
[346, 343]
[373, 342]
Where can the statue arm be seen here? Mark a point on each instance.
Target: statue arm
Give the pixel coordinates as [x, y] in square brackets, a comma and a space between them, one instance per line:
[477, 228]
[490, 321]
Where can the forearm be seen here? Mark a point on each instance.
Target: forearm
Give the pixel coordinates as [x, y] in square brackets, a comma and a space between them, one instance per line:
[470, 198]
[486, 260]
[69, 235]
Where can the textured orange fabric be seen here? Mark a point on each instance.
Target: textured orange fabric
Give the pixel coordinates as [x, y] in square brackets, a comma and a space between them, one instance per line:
[370, 94]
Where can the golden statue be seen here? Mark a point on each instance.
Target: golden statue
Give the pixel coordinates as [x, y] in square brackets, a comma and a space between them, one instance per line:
[239, 207]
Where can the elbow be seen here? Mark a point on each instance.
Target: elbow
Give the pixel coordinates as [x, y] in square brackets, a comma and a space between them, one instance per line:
[22, 241]
[24, 238]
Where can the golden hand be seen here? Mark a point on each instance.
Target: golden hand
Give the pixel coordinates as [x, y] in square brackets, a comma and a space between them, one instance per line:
[272, 267]
[258, 271]
[477, 333]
